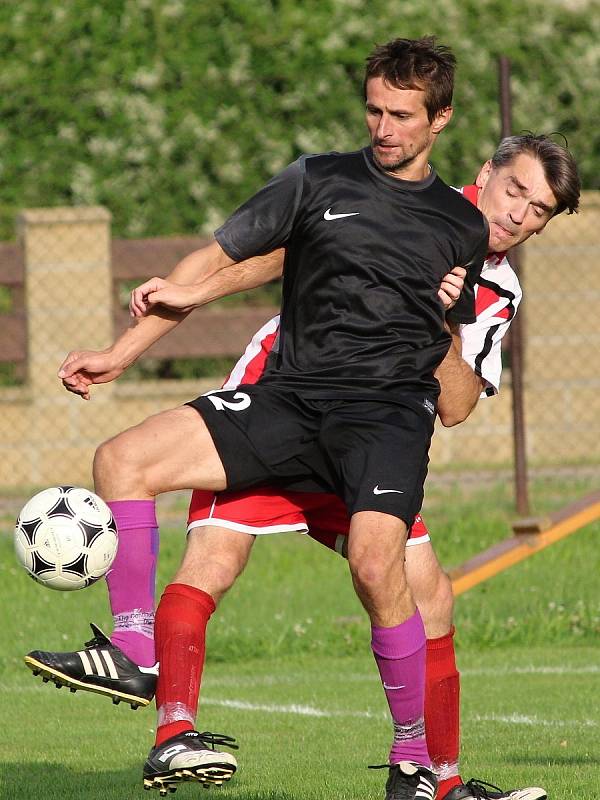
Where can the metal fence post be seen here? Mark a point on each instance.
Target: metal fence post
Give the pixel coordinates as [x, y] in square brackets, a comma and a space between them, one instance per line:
[516, 329]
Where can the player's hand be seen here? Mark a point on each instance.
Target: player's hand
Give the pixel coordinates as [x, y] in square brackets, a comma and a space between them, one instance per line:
[82, 368]
[452, 286]
[158, 291]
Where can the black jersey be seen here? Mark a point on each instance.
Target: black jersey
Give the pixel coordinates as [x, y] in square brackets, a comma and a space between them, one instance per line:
[365, 256]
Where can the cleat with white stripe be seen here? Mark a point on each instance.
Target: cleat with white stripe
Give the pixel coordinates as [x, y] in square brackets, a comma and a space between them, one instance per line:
[480, 790]
[408, 780]
[190, 756]
[100, 667]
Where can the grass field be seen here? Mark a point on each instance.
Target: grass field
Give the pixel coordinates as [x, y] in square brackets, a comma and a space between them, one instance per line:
[291, 676]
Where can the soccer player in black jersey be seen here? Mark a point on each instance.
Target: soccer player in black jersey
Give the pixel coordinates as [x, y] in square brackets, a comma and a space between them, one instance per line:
[348, 402]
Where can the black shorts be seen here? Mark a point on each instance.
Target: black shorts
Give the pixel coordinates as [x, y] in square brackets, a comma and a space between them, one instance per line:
[372, 453]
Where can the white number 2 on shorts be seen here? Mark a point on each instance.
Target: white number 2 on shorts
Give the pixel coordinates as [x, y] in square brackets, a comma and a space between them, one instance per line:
[242, 401]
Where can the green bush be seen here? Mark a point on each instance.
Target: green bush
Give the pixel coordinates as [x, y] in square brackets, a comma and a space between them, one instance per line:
[171, 112]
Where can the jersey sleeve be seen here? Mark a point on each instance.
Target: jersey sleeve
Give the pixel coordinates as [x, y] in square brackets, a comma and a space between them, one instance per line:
[265, 221]
[463, 311]
[496, 305]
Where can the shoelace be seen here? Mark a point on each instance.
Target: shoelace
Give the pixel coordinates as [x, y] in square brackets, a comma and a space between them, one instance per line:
[478, 788]
[212, 739]
[97, 641]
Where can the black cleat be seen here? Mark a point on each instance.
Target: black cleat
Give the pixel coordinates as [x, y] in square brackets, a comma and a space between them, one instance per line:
[480, 790]
[408, 780]
[189, 756]
[101, 667]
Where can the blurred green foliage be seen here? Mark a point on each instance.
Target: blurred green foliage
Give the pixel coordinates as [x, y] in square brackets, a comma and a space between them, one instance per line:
[6, 302]
[172, 112]
[9, 375]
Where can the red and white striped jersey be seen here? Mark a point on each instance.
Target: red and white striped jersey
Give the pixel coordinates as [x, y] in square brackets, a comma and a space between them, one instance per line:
[497, 295]
[251, 365]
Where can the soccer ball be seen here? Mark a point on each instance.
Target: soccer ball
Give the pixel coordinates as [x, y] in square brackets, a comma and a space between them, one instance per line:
[66, 538]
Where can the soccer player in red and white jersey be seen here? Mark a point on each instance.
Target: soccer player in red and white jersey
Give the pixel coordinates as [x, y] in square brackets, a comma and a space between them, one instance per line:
[513, 191]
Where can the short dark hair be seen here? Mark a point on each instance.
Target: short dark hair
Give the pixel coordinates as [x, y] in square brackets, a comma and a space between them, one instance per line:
[415, 64]
[559, 165]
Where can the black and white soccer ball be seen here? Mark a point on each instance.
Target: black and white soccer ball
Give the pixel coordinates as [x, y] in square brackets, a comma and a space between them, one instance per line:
[66, 537]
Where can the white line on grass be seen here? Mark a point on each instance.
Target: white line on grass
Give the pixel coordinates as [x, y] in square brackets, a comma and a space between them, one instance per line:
[531, 669]
[293, 708]
[311, 711]
[498, 672]
[521, 719]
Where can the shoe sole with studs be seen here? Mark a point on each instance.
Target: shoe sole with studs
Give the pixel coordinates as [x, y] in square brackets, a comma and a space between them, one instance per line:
[214, 775]
[60, 679]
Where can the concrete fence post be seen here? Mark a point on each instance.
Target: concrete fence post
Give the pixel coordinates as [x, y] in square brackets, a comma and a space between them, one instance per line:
[68, 287]
[68, 301]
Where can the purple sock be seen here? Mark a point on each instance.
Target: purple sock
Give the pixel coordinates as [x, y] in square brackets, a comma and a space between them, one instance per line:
[131, 579]
[400, 656]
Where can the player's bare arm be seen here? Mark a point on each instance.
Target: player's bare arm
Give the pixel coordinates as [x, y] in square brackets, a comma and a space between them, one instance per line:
[460, 386]
[212, 274]
[82, 368]
[197, 266]
[185, 290]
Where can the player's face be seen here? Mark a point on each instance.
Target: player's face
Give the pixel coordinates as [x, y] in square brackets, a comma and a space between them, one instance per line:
[401, 134]
[516, 199]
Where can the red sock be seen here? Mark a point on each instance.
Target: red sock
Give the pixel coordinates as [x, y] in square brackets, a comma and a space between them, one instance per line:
[180, 638]
[445, 785]
[442, 711]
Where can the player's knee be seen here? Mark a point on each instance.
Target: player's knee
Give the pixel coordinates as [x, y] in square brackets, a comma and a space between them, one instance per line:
[372, 573]
[113, 462]
[105, 459]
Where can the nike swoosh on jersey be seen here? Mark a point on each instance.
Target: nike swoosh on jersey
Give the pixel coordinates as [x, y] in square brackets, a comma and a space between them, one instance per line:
[377, 490]
[328, 215]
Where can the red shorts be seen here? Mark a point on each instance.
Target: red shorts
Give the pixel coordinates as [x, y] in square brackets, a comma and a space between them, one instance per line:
[260, 511]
